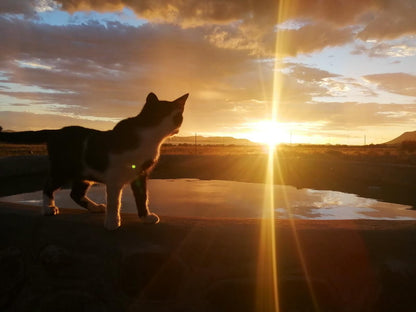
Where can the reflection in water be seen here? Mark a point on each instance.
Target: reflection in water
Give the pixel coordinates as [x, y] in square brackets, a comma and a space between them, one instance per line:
[228, 199]
[267, 296]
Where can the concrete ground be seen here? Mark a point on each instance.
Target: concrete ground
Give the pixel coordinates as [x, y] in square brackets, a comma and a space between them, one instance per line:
[71, 263]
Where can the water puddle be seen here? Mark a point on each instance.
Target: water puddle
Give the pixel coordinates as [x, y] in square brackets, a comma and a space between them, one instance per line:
[229, 199]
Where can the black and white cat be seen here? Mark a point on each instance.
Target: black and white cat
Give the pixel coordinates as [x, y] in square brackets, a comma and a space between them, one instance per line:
[124, 155]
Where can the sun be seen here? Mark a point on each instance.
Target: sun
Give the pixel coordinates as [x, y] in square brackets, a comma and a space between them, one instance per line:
[268, 132]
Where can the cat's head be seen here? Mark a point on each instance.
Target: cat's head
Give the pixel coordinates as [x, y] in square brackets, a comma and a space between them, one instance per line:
[164, 114]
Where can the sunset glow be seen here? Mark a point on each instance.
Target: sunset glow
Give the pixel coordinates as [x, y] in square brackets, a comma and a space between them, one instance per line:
[268, 132]
[334, 72]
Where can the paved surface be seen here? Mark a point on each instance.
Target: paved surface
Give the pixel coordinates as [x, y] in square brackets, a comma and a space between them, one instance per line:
[71, 263]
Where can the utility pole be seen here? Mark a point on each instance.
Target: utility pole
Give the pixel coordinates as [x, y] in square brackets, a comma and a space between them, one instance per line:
[195, 143]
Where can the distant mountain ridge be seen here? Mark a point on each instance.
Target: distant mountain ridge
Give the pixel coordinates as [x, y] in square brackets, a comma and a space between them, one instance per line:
[202, 140]
[407, 136]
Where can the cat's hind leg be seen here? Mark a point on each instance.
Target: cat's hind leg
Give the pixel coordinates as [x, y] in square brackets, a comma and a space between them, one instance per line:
[49, 208]
[79, 195]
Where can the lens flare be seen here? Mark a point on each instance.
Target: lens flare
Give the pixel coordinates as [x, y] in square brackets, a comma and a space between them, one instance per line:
[267, 271]
[267, 286]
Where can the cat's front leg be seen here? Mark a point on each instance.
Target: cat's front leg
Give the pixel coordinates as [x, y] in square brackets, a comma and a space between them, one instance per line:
[139, 188]
[112, 215]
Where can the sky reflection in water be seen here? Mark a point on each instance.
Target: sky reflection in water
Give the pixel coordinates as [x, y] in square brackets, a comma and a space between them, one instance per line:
[214, 198]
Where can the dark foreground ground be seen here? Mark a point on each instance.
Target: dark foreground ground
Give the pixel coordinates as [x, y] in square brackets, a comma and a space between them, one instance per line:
[70, 263]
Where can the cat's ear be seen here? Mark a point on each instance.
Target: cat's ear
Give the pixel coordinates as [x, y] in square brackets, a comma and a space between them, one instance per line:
[181, 100]
[152, 98]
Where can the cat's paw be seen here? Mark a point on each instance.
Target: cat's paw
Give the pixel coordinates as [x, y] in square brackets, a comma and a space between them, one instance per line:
[151, 218]
[112, 224]
[96, 208]
[50, 210]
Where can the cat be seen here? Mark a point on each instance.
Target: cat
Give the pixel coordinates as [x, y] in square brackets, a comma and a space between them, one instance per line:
[124, 155]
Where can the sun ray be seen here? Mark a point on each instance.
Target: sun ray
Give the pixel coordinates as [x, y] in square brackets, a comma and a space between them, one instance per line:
[267, 292]
[267, 273]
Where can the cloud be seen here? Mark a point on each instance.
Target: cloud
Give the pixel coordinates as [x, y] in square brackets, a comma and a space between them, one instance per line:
[311, 38]
[245, 25]
[212, 11]
[26, 7]
[222, 52]
[350, 116]
[327, 19]
[389, 20]
[251, 26]
[107, 70]
[306, 73]
[397, 49]
[290, 42]
[400, 83]
[22, 121]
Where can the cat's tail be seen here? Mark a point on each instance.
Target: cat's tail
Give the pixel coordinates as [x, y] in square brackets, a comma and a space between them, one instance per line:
[25, 137]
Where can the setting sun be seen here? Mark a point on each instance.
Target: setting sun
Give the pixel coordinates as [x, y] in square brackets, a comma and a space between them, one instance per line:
[268, 132]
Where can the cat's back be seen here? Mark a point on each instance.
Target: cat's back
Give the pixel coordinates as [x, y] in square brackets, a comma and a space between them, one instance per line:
[70, 136]
[78, 131]
[68, 142]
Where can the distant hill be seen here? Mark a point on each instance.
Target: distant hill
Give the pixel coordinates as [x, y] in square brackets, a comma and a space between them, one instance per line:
[407, 136]
[201, 140]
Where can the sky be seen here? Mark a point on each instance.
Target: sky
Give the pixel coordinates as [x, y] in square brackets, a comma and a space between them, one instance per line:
[337, 72]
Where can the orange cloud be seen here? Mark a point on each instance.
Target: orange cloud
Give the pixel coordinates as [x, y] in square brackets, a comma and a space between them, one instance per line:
[250, 25]
[310, 38]
[211, 11]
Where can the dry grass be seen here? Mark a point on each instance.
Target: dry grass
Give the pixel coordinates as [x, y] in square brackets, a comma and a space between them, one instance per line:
[189, 149]
[376, 153]
[167, 149]
[21, 149]
[380, 154]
